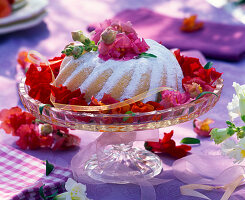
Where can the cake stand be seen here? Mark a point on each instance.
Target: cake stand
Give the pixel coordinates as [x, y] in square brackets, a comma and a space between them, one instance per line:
[118, 163]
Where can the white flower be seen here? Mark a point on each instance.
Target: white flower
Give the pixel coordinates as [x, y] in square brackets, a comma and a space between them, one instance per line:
[75, 191]
[236, 107]
[233, 107]
[234, 150]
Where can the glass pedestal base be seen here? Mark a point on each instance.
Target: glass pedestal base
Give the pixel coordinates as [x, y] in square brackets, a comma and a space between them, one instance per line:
[122, 164]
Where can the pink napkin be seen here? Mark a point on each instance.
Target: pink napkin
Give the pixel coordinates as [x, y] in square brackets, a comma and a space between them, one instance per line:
[21, 176]
[220, 41]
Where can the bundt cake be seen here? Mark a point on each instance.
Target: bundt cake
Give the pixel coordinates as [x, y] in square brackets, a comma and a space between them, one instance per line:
[122, 79]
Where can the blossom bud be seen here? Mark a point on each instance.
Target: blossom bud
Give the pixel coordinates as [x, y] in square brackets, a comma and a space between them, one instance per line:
[78, 36]
[46, 129]
[77, 50]
[108, 36]
[219, 135]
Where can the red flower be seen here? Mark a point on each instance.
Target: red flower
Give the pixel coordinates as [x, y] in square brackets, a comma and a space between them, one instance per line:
[168, 145]
[64, 96]
[141, 107]
[157, 106]
[40, 77]
[55, 64]
[191, 67]
[5, 8]
[108, 99]
[13, 118]
[41, 92]
[11, 1]
[29, 137]
[21, 124]
[46, 141]
[38, 74]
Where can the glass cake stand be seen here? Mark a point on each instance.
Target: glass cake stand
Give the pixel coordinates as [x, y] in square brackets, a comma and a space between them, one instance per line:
[141, 163]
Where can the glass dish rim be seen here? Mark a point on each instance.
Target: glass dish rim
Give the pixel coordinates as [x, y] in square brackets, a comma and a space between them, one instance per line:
[22, 89]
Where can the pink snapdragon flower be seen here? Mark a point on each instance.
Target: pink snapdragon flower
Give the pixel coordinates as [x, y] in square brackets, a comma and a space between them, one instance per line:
[118, 41]
[195, 86]
[173, 98]
[202, 128]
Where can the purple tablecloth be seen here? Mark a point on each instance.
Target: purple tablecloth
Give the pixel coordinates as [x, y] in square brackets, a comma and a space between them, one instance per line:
[53, 34]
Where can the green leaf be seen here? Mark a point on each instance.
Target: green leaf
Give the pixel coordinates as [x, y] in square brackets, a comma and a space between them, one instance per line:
[147, 147]
[243, 128]
[203, 93]
[52, 195]
[61, 196]
[87, 41]
[42, 107]
[41, 192]
[49, 168]
[147, 55]
[243, 118]
[128, 112]
[189, 140]
[230, 131]
[230, 124]
[208, 65]
[95, 48]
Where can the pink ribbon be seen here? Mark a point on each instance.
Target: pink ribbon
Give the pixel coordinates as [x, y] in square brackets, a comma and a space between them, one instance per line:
[111, 138]
[208, 172]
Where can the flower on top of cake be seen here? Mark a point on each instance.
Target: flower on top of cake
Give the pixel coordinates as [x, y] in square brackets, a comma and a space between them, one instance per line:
[118, 40]
[113, 39]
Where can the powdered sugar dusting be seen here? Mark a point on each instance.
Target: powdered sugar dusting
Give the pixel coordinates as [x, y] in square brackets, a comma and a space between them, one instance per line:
[165, 62]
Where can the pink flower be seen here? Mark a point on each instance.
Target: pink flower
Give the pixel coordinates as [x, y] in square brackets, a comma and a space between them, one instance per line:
[98, 30]
[122, 48]
[140, 46]
[118, 41]
[13, 118]
[195, 86]
[202, 128]
[173, 98]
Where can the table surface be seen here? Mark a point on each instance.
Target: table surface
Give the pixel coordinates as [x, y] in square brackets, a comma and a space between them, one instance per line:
[50, 37]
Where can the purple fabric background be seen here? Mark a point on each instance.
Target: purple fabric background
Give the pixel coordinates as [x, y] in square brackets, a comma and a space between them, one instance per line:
[215, 40]
[50, 37]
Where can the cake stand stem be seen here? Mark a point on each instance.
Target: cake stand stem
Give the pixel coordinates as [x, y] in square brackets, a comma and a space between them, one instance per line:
[114, 160]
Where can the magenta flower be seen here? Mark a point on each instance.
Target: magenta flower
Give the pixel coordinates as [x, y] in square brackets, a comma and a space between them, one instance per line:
[118, 41]
[173, 98]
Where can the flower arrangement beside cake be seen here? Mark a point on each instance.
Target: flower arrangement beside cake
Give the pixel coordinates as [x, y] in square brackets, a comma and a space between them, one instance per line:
[119, 73]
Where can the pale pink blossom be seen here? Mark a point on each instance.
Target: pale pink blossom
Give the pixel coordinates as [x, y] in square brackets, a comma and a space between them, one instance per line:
[173, 98]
